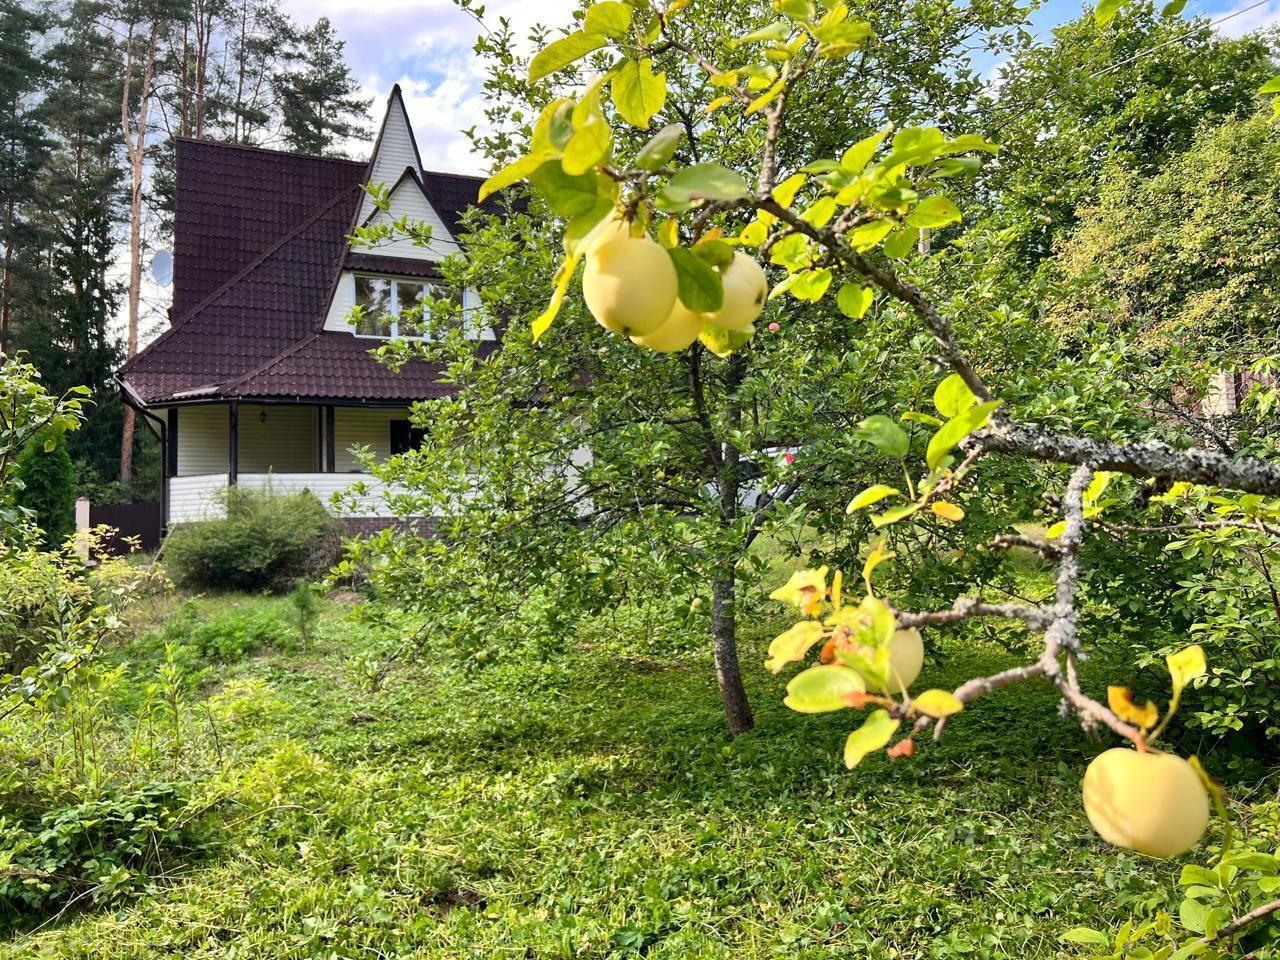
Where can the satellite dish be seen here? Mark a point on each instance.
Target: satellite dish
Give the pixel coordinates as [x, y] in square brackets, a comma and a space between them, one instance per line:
[162, 267]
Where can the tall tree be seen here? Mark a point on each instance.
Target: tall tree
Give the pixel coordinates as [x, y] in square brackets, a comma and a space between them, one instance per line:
[259, 45]
[23, 145]
[319, 98]
[82, 188]
[140, 28]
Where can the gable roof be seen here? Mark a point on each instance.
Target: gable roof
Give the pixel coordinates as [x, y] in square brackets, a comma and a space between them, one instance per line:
[259, 246]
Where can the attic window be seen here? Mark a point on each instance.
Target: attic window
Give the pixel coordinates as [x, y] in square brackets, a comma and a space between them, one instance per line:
[391, 307]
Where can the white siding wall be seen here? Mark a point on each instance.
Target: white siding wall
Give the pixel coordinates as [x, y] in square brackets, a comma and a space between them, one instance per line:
[409, 202]
[344, 298]
[286, 442]
[197, 498]
[202, 439]
[395, 152]
[361, 426]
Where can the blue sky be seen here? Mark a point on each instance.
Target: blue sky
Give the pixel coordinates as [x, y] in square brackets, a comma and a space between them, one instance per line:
[425, 46]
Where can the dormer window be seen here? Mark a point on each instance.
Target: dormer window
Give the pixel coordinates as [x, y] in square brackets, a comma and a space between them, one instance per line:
[393, 307]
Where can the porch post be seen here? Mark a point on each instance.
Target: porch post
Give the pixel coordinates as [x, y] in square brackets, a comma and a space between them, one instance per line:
[171, 443]
[330, 447]
[233, 466]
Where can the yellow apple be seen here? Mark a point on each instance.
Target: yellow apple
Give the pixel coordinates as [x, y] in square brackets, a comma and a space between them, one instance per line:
[1153, 803]
[612, 228]
[680, 330]
[745, 291]
[630, 285]
[906, 657]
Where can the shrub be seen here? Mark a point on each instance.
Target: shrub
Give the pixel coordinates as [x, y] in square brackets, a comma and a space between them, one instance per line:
[47, 488]
[90, 853]
[266, 541]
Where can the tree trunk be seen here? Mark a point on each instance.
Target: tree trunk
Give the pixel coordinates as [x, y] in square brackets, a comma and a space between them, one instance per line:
[724, 647]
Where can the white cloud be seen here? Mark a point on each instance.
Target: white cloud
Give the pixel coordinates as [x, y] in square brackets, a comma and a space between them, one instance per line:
[426, 47]
[1247, 18]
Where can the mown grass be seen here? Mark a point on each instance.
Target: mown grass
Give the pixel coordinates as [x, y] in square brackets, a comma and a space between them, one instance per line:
[592, 807]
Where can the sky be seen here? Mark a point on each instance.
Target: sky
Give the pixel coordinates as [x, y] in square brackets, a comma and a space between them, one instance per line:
[426, 47]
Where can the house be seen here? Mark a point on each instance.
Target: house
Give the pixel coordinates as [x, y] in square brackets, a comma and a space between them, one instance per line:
[261, 377]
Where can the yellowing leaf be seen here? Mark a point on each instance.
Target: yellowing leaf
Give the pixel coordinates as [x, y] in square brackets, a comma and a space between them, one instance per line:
[937, 703]
[638, 92]
[873, 494]
[955, 430]
[563, 277]
[877, 556]
[878, 729]
[1121, 702]
[805, 590]
[1185, 666]
[1056, 530]
[947, 511]
[823, 688]
[792, 645]
[837, 590]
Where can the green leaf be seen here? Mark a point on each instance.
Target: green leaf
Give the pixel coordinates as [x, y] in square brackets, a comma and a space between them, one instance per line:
[589, 145]
[1087, 935]
[841, 39]
[821, 212]
[823, 688]
[860, 154]
[567, 195]
[854, 300]
[953, 397]
[658, 152]
[513, 172]
[1271, 86]
[1193, 873]
[609, 17]
[775, 32]
[553, 128]
[914, 416]
[951, 433]
[935, 211]
[562, 52]
[579, 228]
[705, 181]
[899, 243]
[785, 192]
[638, 92]
[766, 98]
[865, 237]
[811, 286]
[1174, 8]
[1106, 10]
[873, 494]
[701, 289]
[878, 729]
[885, 435]
[894, 515]
[802, 10]
[791, 646]
[722, 342]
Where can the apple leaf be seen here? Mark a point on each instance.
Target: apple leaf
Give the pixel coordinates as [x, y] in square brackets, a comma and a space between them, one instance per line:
[823, 688]
[878, 729]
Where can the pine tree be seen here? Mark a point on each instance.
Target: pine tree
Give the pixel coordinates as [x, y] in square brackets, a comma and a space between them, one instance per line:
[318, 99]
[23, 148]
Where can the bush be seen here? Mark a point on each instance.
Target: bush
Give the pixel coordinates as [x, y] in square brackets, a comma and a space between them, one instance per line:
[47, 487]
[90, 853]
[266, 541]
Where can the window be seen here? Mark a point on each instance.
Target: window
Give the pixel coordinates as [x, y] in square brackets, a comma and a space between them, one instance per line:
[394, 308]
[405, 437]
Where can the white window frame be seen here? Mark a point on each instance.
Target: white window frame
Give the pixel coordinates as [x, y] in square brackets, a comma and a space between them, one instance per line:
[469, 305]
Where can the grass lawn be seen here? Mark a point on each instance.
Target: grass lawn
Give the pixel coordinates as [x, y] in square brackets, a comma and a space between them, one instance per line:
[593, 807]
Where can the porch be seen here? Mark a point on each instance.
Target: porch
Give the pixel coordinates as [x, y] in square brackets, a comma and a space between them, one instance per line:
[287, 447]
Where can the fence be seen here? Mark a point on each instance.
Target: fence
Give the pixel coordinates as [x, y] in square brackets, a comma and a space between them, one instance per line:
[145, 521]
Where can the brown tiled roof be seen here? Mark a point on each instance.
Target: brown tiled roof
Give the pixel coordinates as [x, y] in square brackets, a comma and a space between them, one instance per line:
[259, 246]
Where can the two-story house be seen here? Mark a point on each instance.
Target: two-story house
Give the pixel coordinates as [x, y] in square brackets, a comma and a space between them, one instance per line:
[261, 378]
